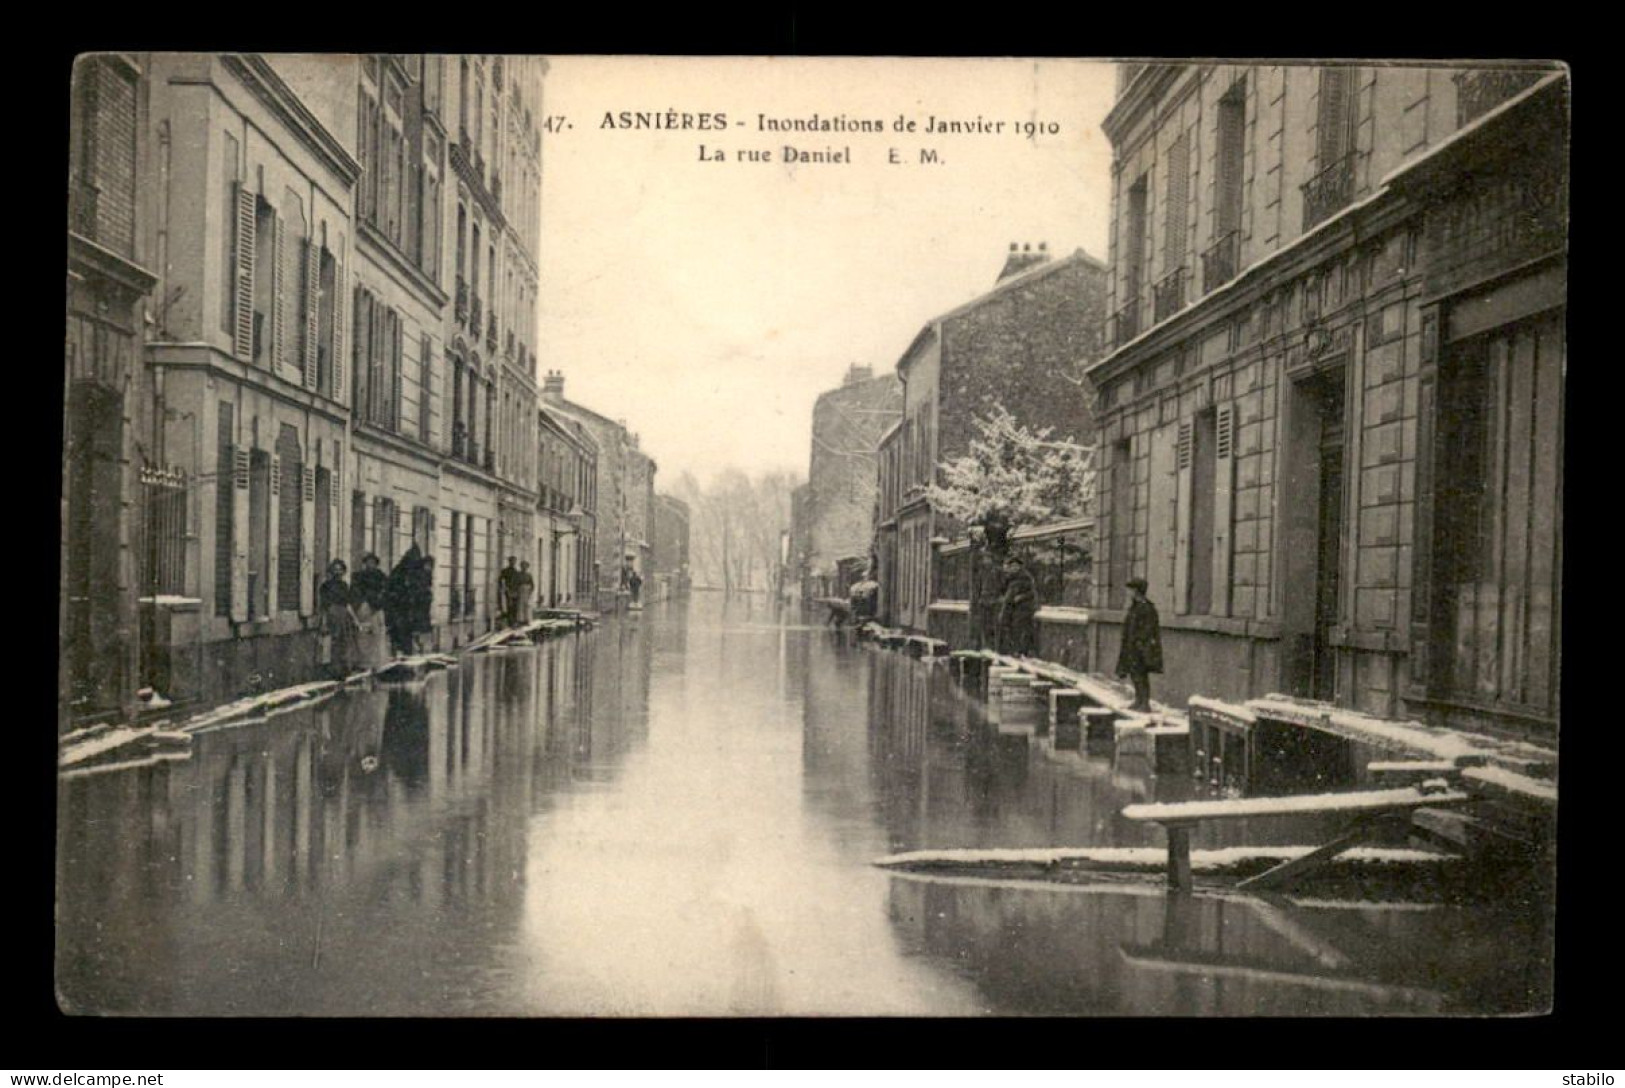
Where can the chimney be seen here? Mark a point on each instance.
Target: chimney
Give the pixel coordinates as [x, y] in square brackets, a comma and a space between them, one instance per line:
[858, 372]
[1021, 257]
[553, 387]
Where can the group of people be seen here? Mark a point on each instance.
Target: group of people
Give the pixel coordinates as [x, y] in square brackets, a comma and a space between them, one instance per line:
[1005, 615]
[515, 588]
[368, 618]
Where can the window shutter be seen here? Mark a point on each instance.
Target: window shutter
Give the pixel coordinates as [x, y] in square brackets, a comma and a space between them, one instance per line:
[1183, 461]
[338, 330]
[362, 348]
[1224, 478]
[243, 315]
[273, 530]
[312, 300]
[280, 355]
[307, 543]
[239, 536]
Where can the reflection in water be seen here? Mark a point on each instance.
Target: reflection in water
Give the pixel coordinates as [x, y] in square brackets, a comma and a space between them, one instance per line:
[675, 814]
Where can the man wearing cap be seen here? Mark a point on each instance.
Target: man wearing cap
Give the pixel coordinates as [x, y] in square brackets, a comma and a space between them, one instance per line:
[1141, 653]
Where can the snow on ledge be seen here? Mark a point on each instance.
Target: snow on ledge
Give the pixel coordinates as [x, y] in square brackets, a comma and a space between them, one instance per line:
[1228, 710]
[1150, 858]
[1500, 778]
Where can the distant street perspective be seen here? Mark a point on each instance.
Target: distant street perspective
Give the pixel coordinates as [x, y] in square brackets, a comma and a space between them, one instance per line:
[1156, 615]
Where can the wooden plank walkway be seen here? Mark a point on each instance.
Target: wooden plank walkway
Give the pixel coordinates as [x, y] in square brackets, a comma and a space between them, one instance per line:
[1368, 808]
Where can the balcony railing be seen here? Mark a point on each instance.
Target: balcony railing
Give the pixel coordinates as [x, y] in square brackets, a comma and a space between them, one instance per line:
[1168, 296]
[1221, 260]
[1328, 192]
[474, 312]
[1126, 322]
[1478, 92]
[462, 300]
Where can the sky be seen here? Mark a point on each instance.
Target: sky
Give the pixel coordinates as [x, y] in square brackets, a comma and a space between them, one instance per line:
[708, 303]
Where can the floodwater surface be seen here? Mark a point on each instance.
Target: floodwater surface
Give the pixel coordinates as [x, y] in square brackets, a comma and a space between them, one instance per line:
[675, 815]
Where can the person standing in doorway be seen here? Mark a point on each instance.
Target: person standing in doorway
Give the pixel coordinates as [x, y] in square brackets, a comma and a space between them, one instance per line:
[422, 605]
[369, 593]
[340, 628]
[1141, 652]
[398, 600]
[506, 589]
[524, 587]
[634, 582]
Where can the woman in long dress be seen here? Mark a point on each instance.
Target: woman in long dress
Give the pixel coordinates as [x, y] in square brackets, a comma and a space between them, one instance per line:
[339, 621]
[367, 593]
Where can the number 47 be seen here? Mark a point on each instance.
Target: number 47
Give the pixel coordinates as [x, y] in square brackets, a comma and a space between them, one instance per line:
[554, 124]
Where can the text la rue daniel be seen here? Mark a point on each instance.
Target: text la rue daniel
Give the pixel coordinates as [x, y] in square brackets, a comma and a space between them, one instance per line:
[825, 125]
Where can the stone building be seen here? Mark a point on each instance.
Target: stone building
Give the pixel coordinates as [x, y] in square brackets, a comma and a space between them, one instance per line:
[625, 491]
[567, 475]
[1330, 422]
[123, 506]
[842, 476]
[397, 307]
[1021, 345]
[489, 489]
[246, 205]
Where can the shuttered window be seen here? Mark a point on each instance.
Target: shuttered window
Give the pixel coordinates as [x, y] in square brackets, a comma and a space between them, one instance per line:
[1231, 157]
[1178, 206]
[225, 460]
[290, 528]
[1334, 116]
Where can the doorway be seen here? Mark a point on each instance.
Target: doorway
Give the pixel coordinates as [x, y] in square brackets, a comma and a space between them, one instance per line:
[1327, 390]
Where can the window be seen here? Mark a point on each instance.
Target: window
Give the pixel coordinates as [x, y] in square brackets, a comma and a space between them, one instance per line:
[1203, 475]
[383, 531]
[324, 510]
[1232, 149]
[358, 529]
[259, 534]
[1134, 229]
[1179, 184]
[228, 219]
[1334, 117]
[224, 502]
[264, 280]
[326, 323]
[1122, 521]
[290, 526]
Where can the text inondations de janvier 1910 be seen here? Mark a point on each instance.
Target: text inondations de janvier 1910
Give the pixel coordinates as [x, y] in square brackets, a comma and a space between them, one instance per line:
[834, 139]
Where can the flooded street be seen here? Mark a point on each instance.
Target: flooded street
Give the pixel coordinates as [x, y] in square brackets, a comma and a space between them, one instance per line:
[676, 815]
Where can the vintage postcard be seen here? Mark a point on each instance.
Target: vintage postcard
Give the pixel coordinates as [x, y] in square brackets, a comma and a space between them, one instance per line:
[665, 537]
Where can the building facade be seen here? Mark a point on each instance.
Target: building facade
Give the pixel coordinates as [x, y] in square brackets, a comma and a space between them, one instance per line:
[843, 476]
[566, 537]
[248, 213]
[489, 493]
[397, 309]
[1021, 345]
[624, 492]
[122, 502]
[1330, 424]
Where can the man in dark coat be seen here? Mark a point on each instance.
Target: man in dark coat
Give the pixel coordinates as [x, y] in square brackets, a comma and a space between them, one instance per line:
[1141, 653]
[1018, 610]
[398, 601]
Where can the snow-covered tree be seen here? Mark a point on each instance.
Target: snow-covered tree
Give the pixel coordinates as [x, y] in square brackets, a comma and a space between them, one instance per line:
[1014, 476]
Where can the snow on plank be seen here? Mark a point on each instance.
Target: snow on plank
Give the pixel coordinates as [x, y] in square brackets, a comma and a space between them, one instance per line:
[1500, 781]
[1365, 801]
[1225, 860]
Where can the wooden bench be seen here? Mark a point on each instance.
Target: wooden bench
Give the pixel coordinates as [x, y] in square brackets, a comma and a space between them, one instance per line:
[1369, 809]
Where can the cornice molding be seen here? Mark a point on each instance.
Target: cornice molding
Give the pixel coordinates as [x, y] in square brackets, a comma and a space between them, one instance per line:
[256, 73]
